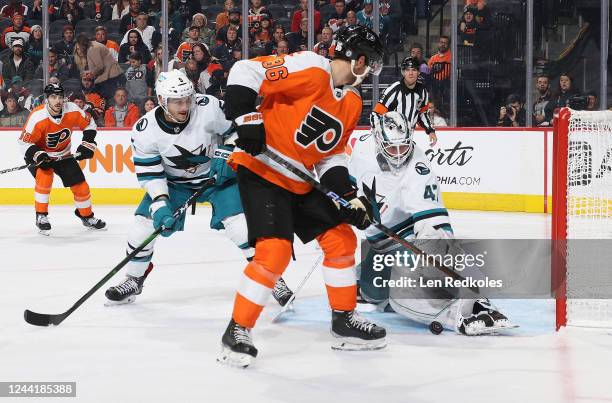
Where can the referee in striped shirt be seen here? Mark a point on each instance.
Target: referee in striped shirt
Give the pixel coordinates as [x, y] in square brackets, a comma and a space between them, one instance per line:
[410, 98]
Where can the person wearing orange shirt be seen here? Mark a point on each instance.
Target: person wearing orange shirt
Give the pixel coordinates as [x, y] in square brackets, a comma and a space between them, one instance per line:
[112, 46]
[45, 142]
[309, 109]
[122, 113]
[440, 62]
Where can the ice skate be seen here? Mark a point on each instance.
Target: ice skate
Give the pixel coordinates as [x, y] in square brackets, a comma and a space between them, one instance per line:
[91, 222]
[126, 292]
[353, 332]
[43, 224]
[237, 347]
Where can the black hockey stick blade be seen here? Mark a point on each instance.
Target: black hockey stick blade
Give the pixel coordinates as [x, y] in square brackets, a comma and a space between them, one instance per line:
[42, 319]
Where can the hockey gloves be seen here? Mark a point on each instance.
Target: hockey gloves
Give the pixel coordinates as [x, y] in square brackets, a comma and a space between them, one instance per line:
[161, 212]
[251, 133]
[218, 166]
[86, 150]
[359, 214]
[88, 146]
[42, 160]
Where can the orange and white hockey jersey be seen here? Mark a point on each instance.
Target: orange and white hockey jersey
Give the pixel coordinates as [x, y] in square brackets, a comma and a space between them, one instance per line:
[51, 134]
[307, 121]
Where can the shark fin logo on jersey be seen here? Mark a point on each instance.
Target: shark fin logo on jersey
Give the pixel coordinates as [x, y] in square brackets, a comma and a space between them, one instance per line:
[189, 160]
[55, 139]
[422, 169]
[203, 101]
[376, 200]
[321, 128]
[140, 126]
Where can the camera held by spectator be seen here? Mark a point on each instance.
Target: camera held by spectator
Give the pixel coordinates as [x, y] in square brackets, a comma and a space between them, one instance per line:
[512, 114]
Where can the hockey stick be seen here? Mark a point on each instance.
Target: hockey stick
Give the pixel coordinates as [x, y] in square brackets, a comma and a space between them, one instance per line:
[42, 319]
[299, 287]
[376, 219]
[19, 168]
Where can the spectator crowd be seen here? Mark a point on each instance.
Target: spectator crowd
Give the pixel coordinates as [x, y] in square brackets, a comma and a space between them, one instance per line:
[107, 53]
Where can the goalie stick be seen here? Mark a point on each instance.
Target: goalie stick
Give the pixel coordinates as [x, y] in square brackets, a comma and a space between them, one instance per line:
[287, 306]
[43, 319]
[370, 193]
[19, 168]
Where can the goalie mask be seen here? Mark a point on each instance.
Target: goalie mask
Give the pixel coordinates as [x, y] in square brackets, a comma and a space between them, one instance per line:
[174, 87]
[393, 138]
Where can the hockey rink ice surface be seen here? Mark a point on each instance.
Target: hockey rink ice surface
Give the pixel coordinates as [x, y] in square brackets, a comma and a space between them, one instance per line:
[163, 347]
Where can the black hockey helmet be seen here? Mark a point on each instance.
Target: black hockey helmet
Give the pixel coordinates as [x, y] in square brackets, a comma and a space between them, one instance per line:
[56, 89]
[410, 63]
[354, 41]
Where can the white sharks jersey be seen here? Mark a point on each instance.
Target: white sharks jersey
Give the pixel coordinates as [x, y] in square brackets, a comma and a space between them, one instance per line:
[178, 153]
[408, 199]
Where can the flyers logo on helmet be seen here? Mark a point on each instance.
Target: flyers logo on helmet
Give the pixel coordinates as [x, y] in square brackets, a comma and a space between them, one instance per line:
[57, 138]
[320, 128]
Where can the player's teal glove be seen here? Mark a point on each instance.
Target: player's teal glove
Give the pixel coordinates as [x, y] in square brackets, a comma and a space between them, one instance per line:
[161, 212]
[218, 166]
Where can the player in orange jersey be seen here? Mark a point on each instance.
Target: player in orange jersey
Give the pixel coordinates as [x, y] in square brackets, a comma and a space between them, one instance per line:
[45, 142]
[309, 109]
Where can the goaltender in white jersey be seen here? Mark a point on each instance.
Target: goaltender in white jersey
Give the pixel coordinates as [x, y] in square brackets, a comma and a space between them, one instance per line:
[408, 198]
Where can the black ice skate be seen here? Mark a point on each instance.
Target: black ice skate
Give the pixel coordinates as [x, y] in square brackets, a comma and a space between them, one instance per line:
[237, 346]
[127, 291]
[91, 222]
[281, 293]
[43, 224]
[353, 332]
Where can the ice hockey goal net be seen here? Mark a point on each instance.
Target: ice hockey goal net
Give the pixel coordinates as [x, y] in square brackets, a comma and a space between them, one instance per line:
[582, 209]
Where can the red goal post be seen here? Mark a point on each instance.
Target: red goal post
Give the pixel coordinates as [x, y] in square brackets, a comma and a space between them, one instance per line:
[582, 209]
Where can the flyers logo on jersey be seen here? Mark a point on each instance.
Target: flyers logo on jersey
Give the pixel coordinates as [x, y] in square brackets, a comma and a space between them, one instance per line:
[321, 128]
[55, 139]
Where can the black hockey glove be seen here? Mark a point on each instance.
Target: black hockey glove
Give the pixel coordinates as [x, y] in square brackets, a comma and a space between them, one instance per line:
[42, 160]
[359, 214]
[251, 133]
[35, 155]
[86, 150]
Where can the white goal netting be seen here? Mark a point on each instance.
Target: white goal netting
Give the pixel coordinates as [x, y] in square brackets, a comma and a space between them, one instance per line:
[589, 216]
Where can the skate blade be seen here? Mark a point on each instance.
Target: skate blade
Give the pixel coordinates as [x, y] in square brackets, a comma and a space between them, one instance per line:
[126, 301]
[96, 229]
[234, 359]
[44, 232]
[355, 344]
[492, 330]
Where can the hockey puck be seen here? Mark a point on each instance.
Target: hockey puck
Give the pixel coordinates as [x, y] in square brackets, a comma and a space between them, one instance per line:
[436, 327]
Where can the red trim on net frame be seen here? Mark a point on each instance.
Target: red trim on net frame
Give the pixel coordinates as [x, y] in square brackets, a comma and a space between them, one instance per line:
[559, 215]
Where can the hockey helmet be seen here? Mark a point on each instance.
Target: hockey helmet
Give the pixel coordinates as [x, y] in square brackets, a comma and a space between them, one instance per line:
[410, 63]
[56, 89]
[354, 41]
[393, 137]
[173, 84]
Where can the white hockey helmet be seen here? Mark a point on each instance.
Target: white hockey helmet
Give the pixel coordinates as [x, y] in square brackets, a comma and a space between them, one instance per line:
[393, 137]
[173, 84]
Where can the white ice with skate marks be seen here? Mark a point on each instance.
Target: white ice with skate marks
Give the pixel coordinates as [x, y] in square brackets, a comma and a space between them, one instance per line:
[163, 347]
